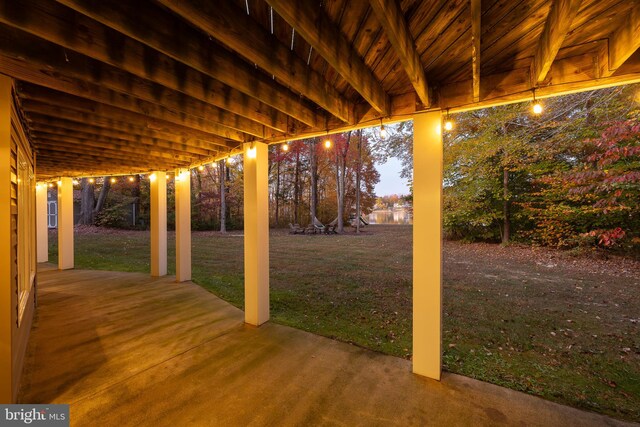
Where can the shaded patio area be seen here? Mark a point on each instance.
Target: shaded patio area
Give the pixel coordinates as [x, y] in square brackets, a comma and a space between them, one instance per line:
[127, 349]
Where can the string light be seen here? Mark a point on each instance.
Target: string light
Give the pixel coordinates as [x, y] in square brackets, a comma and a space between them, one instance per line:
[285, 146]
[51, 185]
[131, 179]
[327, 141]
[59, 183]
[91, 180]
[201, 168]
[181, 176]
[448, 124]
[537, 107]
[230, 160]
[152, 177]
[113, 180]
[75, 182]
[383, 131]
[251, 151]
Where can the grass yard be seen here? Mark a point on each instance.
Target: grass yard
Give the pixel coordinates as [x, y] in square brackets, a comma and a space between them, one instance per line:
[536, 320]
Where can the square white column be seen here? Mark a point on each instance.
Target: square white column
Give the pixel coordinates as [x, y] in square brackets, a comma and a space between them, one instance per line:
[427, 244]
[42, 226]
[183, 225]
[65, 224]
[256, 233]
[158, 223]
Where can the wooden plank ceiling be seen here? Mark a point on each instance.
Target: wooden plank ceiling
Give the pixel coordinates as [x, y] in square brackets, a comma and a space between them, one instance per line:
[131, 86]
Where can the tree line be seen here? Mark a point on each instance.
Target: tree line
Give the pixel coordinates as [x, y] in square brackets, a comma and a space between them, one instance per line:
[307, 179]
[569, 177]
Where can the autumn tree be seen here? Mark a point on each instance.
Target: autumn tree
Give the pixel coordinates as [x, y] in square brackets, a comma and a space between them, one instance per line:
[89, 205]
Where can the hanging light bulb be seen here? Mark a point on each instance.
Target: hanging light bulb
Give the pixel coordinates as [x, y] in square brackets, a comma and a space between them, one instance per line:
[51, 185]
[59, 183]
[131, 179]
[113, 180]
[75, 182]
[230, 160]
[201, 168]
[537, 107]
[91, 180]
[251, 151]
[181, 176]
[383, 131]
[152, 177]
[448, 124]
[285, 146]
[327, 141]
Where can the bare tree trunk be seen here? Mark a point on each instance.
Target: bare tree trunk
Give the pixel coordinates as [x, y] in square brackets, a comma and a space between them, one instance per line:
[313, 198]
[341, 166]
[506, 206]
[296, 189]
[358, 172]
[223, 190]
[87, 203]
[136, 200]
[102, 197]
[277, 190]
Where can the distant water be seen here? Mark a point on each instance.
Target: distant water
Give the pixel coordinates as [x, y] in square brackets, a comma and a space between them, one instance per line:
[396, 216]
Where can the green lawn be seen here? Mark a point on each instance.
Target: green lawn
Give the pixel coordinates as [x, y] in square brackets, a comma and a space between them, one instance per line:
[537, 321]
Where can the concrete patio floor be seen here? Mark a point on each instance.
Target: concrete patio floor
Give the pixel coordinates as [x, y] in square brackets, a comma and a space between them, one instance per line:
[124, 349]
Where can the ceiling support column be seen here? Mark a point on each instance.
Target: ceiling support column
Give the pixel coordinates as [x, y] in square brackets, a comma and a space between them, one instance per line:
[158, 223]
[65, 224]
[427, 244]
[42, 226]
[183, 225]
[256, 233]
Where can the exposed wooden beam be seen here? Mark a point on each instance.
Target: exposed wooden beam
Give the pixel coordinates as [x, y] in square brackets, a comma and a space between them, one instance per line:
[63, 26]
[395, 27]
[125, 102]
[142, 25]
[566, 76]
[318, 30]
[78, 165]
[229, 24]
[625, 40]
[127, 148]
[113, 129]
[66, 149]
[53, 164]
[36, 60]
[225, 120]
[118, 114]
[42, 123]
[555, 30]
[96, 134]
[476, 31]
[53, 115]
[49, 172]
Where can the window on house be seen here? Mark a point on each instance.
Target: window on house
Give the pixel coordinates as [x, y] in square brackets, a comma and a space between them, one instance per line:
[26, 230]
